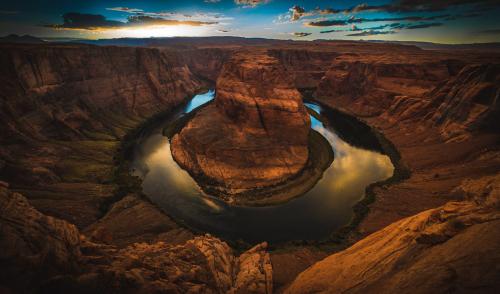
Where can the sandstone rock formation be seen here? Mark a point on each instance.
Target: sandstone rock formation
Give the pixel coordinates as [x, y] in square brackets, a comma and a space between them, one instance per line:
[64, 109]
[469, 102]
[256, 134]
[460, 105]
[453, 248]
[48, 254]
[33, 246]
[369, 86]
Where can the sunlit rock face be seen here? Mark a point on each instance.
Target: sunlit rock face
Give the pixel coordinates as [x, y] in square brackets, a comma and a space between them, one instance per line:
[256, 133]
[435, 251]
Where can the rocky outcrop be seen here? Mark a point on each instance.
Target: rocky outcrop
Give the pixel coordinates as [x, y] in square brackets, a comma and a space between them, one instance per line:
[212, 61]
[453, 248]
[44, 253]
[149, 224]
[33, 246]
[468, 102]
[458, 107]
[368, 87]
[306, 66]
[256, 134]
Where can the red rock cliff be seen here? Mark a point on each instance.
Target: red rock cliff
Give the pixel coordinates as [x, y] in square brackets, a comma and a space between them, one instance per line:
[255, 135]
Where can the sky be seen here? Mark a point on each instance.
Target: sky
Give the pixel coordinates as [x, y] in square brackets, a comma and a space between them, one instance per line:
[443, 21]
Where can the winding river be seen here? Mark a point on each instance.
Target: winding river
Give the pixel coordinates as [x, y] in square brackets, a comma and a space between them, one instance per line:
[315, 215]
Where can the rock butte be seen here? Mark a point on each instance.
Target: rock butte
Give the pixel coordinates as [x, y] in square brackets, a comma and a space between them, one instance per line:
[256, 133]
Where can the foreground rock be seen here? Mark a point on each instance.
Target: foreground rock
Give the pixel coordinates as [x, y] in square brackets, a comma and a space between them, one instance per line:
[33, 246]
[42, 252]
[453, 248]
[256, 133]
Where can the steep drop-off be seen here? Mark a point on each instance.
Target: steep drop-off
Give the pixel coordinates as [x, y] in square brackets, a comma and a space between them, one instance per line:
[64, 109]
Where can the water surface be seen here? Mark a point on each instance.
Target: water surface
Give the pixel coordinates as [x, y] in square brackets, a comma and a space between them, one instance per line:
[315, 215]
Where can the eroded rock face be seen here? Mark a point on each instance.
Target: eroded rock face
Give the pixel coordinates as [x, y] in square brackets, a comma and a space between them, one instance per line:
[470, 101]
[33, 246]
[42, 252]
[256, 133]
[66, 92]
[368, 87]
[455, 247]
[63, 111]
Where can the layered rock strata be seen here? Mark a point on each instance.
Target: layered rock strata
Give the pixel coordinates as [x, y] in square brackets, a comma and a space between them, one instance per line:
[452, 248]
[46, 254]
[64, 109]
[254, 135]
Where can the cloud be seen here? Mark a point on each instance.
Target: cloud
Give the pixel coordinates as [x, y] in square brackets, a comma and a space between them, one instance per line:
[75, 20]
[250, 3]
[301, 34]
[370, 33]
[126, 9]
[419, 5]
[406, 6]
[423, 26]
[82, 21]
[489, 32]
[8, 12]
[297, 12]
[223, 31]
[352, 20]
[327, 23]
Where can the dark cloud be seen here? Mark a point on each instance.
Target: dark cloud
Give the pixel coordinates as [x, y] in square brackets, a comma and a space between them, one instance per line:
[370, 33]
[327, 23]
[8, 12]
[342, 22]
[423, 26]
[81, 21]
[420, 5]
[75, 20]
[301, 34]
[408, 6]
[383, 29]
[489, 32]
[297, 12]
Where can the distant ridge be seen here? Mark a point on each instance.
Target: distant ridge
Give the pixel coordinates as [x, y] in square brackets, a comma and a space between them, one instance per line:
[495, 46]
[27, 39]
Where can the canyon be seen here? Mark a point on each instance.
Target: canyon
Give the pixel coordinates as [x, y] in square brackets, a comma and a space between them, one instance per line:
[72, 216]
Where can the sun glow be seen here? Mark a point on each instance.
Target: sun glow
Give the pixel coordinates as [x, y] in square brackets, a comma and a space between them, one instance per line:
[162, 31]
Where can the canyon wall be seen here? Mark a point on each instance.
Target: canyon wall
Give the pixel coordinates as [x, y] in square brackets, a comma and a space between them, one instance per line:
[67, 92]
[64, 110]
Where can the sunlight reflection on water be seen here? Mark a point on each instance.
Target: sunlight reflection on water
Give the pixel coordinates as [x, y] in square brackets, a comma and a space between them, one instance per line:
[324, 208]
